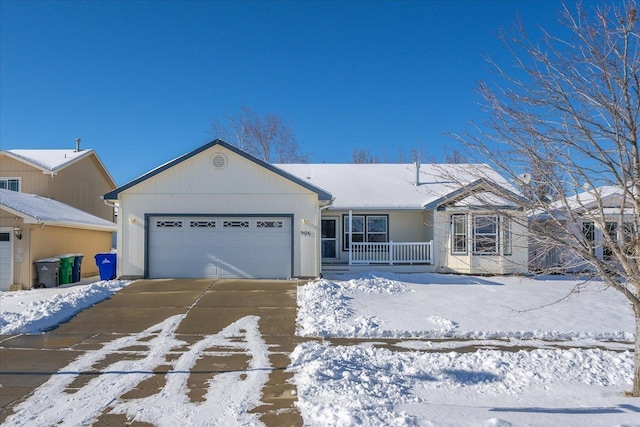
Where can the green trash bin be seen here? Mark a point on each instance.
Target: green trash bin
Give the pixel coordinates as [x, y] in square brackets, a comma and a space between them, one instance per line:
[66, 268]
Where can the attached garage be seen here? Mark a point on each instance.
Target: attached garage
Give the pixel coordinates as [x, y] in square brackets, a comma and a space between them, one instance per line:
[219, 246]
[218, 212]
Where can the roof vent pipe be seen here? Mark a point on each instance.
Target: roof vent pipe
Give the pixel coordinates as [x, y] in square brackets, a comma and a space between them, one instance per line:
[77, 145]
[417, 173]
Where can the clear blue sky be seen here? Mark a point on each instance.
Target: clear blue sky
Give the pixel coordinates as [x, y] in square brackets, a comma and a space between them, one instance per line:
[141, 81]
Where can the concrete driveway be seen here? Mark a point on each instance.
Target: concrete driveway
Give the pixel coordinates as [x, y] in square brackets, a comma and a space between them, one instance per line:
[202, 307]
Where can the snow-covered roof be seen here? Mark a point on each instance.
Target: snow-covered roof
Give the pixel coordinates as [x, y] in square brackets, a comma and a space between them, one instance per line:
[323, 196]
[51, 161]
[36, 209]
[391, 185]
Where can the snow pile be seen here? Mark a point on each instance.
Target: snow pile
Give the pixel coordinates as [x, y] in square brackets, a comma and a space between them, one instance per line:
[38, 310]
[356, 385]
[432, 306]
[324, 306]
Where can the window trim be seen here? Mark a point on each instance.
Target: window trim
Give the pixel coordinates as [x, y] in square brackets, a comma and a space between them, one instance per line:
[506, 241]
[365, 232]
[334, 239]
[495, 237]
[588, 229]
[17, 179]
[464, 235]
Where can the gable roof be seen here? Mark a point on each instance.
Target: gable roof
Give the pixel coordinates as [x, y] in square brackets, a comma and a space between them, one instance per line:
[50, 161]
[392, 185]
[479, 193]
[34, 209]
[605, 200]
[322, 194]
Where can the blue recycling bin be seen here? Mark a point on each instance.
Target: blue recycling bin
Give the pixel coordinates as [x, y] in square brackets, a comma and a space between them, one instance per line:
[106, 263]
[76, 268]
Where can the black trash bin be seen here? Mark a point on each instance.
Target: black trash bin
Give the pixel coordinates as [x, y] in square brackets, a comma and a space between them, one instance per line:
[47, 269]
[76, 268]
[106, 263]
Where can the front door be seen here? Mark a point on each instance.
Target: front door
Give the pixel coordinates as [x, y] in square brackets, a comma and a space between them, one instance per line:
[329, 238]
[6, 259]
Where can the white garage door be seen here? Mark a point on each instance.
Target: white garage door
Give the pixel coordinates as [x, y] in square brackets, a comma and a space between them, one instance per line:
[227, 247]
[6, 249]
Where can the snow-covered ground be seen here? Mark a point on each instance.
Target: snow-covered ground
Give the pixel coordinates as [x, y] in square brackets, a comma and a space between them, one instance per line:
[551, 357]
[37, 310]
[546, 357]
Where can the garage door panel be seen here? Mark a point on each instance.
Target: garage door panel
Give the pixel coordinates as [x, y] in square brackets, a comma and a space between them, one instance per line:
[252, 247]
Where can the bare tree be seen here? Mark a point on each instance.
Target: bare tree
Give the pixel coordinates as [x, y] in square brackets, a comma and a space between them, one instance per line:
[454, 157]
[563, 125]
[363, 155]
[266, 137]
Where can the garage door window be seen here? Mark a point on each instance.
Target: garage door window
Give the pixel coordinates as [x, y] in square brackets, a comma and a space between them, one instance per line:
[269, 224]
[169, 224]
[235, 224]
[202, 224]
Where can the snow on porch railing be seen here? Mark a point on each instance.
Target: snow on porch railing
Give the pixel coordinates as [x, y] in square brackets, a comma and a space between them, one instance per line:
[391, 253]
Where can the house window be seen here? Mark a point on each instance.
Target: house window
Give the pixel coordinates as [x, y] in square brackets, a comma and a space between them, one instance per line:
[589, 233]
[506, 236]
[366, 228]
[485, 234]
[623, 237]
[628, 237]
[611, 229]
[12, 184]
[459, 234]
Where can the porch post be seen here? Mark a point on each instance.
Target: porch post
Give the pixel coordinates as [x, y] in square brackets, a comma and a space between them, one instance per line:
[350, 239]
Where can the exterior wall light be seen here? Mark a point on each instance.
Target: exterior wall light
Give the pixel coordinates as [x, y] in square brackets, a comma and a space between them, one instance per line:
[17, 231]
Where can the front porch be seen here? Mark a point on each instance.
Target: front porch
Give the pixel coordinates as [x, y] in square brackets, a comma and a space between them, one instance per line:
[397, 257]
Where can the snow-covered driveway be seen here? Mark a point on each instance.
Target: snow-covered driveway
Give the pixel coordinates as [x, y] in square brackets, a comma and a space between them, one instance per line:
[206, 363]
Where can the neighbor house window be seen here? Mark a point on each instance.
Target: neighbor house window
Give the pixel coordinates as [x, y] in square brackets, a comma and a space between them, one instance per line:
[485, 234]
[611, 228]
[628, 237]
[366, 228]
[12, 184]
[459, 234]
[589, 233]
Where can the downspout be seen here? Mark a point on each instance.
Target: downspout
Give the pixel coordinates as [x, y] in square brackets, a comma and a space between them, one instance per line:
[350, 238]
[319, 242]
[31, 260]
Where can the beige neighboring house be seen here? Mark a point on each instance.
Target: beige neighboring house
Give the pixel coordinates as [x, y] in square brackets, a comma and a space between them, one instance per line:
[50, 204]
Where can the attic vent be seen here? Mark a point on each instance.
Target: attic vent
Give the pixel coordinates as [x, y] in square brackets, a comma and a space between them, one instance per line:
[218, 161]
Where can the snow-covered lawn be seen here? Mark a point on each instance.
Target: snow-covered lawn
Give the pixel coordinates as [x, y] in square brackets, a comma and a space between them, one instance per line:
[465, 350]
[551, 357]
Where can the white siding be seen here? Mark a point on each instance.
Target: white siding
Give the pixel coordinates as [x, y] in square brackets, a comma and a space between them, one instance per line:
[241, 188]
[470, 263]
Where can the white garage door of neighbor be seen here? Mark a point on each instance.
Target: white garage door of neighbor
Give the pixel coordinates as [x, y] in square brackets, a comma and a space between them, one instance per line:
[226, 247]
[6, 249]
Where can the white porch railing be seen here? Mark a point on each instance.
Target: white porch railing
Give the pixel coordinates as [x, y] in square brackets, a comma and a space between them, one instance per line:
[391, 253]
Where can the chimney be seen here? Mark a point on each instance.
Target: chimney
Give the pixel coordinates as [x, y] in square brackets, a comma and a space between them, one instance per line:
[417, 173]
[77, 145]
